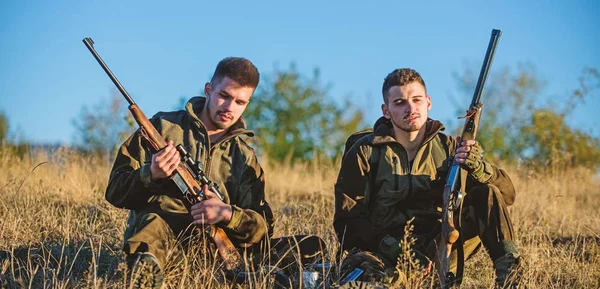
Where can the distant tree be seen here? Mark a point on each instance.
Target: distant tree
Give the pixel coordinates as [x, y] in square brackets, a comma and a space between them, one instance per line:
[101, 130]
[3, 128]
[295, 117]
[518, 125]
[555, 143]
[17, 148]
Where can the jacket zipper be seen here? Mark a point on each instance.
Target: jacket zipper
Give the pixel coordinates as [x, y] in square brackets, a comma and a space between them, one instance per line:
[409, 174]
[209, 151]
[410, 178]
[396, 173]
[211, 148]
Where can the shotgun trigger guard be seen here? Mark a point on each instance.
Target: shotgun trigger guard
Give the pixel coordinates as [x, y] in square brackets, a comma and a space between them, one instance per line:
[190, 198]
[456, 200]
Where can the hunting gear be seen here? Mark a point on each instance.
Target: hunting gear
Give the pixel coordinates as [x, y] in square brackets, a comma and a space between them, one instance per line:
[210, 184]
[397, 172]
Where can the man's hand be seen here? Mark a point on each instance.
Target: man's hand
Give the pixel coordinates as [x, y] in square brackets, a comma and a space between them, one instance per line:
[469, 154]
[212, 210]
[164, 162]
[470, 157]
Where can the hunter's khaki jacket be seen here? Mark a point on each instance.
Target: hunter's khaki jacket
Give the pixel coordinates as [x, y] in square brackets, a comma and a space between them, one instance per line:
[230, 163]
[378, 190]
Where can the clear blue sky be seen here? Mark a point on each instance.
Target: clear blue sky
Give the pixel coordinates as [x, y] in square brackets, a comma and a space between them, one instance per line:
[161, 52]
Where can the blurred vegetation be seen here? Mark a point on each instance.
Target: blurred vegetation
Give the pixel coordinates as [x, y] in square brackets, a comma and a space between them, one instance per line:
[6, 143]
[3, 127]
[101, 130]
[296, 118]
[519, 126]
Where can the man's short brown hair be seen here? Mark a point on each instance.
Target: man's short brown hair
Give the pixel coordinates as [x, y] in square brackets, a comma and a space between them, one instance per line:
[400, 77]
[239, 69]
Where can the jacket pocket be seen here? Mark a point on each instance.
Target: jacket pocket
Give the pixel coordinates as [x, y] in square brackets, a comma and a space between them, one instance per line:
[384, 207]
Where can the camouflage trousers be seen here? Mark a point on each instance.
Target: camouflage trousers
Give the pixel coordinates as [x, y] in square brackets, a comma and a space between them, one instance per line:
[159, 233]
[485, 221]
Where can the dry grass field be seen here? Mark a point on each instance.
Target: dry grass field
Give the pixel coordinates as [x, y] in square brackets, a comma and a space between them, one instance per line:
[57, 231]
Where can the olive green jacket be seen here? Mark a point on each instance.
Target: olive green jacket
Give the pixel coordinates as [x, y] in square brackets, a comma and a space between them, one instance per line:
[231, 163]
[378, 189]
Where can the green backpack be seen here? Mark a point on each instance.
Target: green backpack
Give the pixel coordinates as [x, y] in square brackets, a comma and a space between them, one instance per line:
[354, 137]
[351, 140]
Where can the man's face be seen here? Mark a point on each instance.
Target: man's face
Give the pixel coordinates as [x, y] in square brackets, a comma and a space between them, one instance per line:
[225, 102]
[408, 106]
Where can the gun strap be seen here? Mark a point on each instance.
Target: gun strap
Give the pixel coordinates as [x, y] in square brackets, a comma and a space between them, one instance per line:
[460, 249]
[153, 146]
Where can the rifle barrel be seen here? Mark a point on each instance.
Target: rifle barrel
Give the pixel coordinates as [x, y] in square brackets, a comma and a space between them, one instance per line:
[90, 45]
[485, 68]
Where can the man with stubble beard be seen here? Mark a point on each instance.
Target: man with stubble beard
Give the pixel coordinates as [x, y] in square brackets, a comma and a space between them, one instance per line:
[211, 129]
[397, 173]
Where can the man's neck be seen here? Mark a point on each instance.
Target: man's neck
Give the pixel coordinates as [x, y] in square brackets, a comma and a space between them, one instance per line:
[411, 141]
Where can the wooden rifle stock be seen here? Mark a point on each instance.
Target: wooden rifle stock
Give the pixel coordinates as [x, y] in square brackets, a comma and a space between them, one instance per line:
[183, 177]
[452, 197]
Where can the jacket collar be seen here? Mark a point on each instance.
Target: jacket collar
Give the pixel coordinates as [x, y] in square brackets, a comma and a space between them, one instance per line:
[383, 132]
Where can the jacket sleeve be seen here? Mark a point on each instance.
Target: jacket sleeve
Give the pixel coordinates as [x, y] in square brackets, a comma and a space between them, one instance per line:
[130, 184]
[501, 180]
[351, 222]
[499, 177]
[252, 218]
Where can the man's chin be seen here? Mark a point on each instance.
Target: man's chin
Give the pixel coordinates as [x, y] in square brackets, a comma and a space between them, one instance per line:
[410, 128]
[222, 124]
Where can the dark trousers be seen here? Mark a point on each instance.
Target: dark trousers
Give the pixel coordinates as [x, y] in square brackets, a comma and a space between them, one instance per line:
[156, 233]
[485, 221]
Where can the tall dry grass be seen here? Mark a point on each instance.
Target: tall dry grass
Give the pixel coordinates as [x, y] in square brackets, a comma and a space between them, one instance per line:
[57, 231]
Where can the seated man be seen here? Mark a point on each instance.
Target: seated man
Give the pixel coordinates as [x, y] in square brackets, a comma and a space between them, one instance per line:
[397, 173]
[210, 129]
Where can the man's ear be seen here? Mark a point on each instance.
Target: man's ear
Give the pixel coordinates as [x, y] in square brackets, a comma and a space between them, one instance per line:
[207, 88]
[385, 111]
[428, 102]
